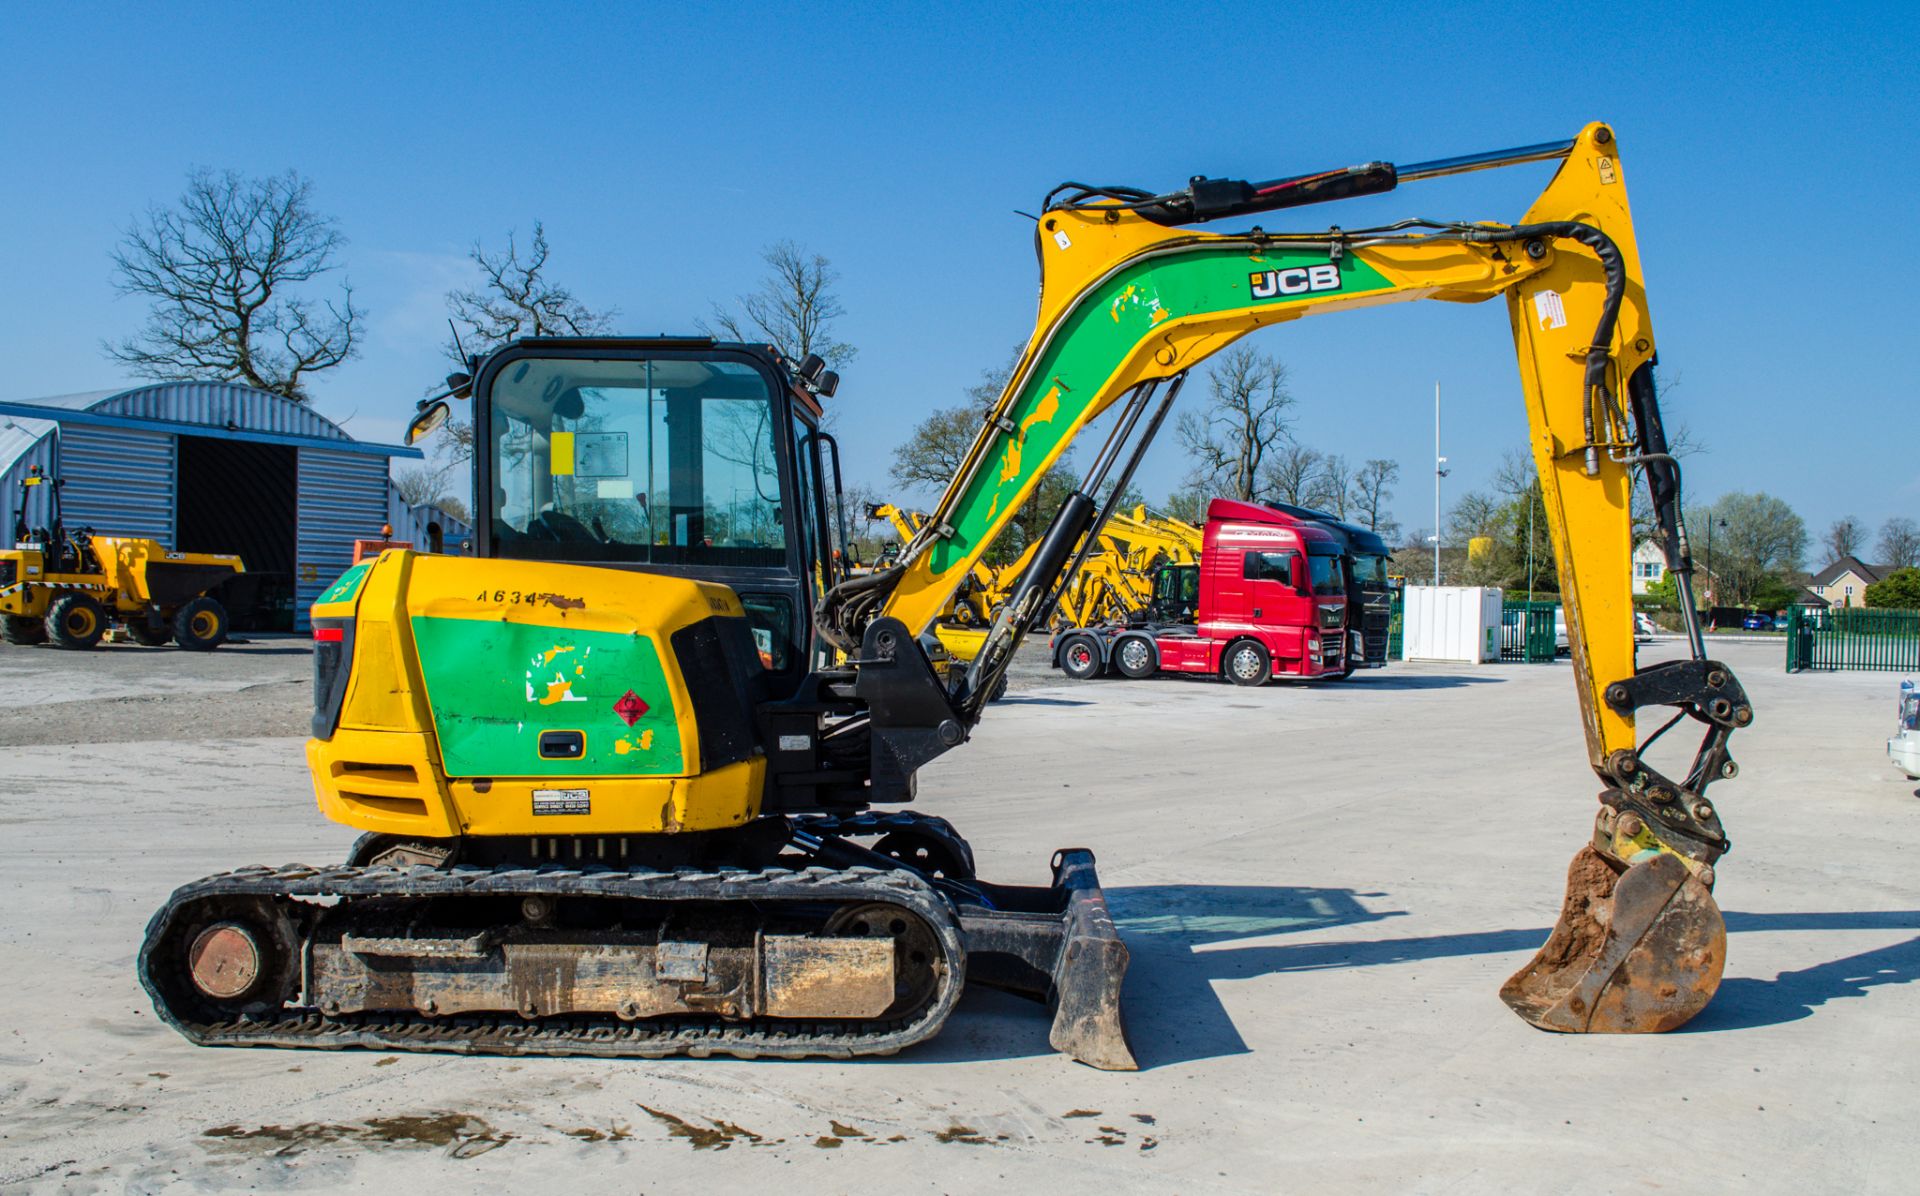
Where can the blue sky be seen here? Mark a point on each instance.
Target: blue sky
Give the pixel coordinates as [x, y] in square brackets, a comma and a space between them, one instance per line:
[663, 146]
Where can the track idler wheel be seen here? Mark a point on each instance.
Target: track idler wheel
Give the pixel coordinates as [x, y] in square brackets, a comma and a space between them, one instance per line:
[1637, 951]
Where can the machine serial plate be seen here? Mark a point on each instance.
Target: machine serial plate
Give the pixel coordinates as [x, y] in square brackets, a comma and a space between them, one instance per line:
[562, 801]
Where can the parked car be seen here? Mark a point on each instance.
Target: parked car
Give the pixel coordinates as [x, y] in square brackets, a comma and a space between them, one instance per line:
[1561, 645]
[1757, 622]
[1904, 748]
[1644, 628]
[1779, 622]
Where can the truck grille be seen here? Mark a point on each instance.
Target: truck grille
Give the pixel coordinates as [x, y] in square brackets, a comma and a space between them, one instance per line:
[1333, 647]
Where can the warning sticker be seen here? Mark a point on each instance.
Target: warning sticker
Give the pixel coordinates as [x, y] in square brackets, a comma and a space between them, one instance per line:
[562, 801]
[1548, 311]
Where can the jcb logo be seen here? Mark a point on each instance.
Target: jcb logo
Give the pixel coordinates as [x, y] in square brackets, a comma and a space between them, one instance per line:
[1299, 280]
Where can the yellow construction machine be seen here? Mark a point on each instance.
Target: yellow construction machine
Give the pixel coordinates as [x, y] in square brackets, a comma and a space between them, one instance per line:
[631, 782]
[71, 588]
[1113, 584]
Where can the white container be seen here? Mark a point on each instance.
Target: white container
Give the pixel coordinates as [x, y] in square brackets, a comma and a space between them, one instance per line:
[1460, 624]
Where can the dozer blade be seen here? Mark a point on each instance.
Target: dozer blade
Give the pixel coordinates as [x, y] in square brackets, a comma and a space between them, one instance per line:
[1056, 944]
[1087, 978]
[1635, 952]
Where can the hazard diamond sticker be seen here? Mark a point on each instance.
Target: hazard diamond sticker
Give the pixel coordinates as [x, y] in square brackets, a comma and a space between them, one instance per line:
[630, 707]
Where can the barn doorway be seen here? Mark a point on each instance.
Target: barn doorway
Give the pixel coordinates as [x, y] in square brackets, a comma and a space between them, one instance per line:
[241, 496]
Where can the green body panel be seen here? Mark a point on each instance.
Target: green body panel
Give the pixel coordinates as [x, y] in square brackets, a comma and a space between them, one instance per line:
[346, 587]
[1096, 338]
[494, 686]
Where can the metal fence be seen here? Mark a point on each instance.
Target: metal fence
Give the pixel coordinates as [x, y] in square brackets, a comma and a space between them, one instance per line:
[1821, 640]
[1397, 625]
[1527, 632]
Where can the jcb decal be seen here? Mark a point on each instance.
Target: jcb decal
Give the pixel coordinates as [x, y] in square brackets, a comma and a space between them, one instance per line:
[1297, 280]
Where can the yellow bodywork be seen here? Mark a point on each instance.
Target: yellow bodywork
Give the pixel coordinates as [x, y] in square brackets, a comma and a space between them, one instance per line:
[383, 769]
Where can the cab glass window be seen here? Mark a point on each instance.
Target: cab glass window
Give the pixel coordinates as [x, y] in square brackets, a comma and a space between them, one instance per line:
[1268, 566]
[671, 461]
[1327, 575]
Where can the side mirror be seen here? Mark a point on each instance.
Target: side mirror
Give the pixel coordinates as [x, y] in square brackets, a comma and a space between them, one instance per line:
[430, 417]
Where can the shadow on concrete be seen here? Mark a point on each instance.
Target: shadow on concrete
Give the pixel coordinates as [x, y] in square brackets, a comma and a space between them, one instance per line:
[1172, 1014]
[1743, 1004]
[1175, 934]
[1017, 700]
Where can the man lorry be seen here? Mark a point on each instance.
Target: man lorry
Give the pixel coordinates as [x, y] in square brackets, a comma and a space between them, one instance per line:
[1267, 599]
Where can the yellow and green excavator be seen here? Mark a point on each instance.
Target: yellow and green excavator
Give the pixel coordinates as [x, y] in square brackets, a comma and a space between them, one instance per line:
[631, 780]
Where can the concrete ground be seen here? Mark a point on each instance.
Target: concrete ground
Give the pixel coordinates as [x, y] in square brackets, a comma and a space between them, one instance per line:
[1322, 889]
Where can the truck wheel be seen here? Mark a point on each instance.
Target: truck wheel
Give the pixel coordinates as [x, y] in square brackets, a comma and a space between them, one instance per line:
[75, 621]
[1135, 658]
[201, 625]
[1247, 663]
[1080, 658]
[146, 635]
[24, 631]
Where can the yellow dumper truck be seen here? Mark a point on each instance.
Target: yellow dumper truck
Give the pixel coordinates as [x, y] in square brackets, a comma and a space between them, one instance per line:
[70, 589]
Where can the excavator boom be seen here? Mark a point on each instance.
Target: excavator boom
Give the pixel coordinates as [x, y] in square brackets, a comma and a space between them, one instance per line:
[1130, 301]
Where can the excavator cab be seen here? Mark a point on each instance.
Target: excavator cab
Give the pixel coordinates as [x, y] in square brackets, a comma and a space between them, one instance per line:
[1176, 594]
[680, 457]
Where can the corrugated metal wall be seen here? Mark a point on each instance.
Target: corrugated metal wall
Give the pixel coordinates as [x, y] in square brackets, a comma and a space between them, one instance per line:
[343, 498]
[25, 451]
[118, 481]
[410, 524]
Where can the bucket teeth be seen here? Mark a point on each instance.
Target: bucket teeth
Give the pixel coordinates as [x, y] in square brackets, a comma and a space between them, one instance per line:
[1634, 952]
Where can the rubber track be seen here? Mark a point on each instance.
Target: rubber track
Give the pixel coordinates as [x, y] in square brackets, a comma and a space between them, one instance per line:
[603, 1036]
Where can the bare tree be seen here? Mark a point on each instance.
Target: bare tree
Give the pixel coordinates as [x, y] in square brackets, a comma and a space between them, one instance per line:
[515, 298]
[1681, 444]
[933, 454]
[1188, 505]
[1291, 473]
[1371, 491]
[1844, 539]
[1329, 491]
[794, 308]
[220, 269]
[1899, 543]
[1472, 515]
[1245, 419]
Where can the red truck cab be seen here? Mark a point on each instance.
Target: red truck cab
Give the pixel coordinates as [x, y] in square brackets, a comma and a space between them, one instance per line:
[1268, 599]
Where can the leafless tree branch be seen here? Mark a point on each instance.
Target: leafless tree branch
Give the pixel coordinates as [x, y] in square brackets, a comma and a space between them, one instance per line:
[216, 267]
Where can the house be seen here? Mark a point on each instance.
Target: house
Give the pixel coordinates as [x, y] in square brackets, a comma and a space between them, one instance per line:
[1845, 582]
[1649, 565]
